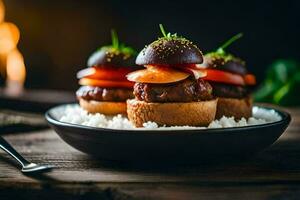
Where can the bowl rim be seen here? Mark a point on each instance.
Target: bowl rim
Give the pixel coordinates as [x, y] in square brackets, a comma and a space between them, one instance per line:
[285, 119]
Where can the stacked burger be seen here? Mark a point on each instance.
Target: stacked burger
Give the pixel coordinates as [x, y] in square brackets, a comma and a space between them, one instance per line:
[178, 87]
[105, 88]
[230, 81]
[171, 90]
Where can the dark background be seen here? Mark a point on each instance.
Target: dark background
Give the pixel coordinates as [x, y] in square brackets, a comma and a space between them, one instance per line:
[58, 36]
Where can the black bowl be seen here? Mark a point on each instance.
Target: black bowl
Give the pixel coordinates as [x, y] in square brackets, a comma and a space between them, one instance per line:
[169, 146]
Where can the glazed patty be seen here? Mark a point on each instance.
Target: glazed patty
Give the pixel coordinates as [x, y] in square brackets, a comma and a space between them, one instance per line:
[188, 90]
[229, 91]
[104, 94]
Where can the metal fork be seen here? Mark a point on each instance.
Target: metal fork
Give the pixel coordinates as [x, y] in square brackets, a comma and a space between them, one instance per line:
[27, 167]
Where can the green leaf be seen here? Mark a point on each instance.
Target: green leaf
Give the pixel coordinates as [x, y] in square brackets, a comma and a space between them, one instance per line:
[283, 76]
[283, 91]
[127, 50]
[288, 95]
[221, 53]
[221, 49]
[116, 46]
[165, 34]
[114, 39]
[162, 29]
[265, 92]
[282, 70]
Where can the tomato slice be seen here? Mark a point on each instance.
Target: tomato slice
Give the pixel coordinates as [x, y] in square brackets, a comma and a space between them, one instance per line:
[106, 83]
[104, 73]
[157, 75]
[250, 79]
[224, 77]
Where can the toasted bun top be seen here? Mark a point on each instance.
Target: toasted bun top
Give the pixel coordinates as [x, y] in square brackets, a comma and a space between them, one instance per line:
[168, 51]
[225, 62]
[111, 56]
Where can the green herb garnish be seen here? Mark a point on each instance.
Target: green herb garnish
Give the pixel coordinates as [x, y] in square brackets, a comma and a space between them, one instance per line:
[114, 39]
[221, 49]
[167, 35]
[118, 47]
[161, 44]
[220, 53]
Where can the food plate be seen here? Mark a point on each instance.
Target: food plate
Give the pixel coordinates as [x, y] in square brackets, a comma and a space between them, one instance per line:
[168, 145]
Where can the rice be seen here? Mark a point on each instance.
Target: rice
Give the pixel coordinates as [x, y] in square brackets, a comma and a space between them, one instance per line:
[74, 114]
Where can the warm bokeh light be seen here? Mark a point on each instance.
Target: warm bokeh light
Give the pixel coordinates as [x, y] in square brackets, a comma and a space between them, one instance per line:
[15, 67]
[3, 65]
[9, 37]
[2, 11]
[12, 65]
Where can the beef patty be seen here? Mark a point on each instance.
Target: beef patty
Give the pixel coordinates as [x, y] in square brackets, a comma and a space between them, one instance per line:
[104, 94]
[229, 91]
[188, 90]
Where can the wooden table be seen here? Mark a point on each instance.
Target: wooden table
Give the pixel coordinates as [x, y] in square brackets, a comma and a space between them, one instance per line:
[273, 174]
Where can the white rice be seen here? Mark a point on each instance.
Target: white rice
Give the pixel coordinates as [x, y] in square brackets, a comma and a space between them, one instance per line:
[76, 115]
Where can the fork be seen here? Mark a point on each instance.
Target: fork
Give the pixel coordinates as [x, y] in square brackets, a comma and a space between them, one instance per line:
[27, 167]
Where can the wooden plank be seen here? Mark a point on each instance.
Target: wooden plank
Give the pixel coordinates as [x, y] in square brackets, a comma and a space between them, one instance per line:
[73, 166]
[151, 191]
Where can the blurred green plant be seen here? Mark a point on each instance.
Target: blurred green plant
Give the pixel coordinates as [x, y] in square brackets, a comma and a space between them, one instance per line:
[282, 84]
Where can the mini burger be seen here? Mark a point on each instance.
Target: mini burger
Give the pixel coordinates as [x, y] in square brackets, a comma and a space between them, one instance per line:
[104, 87]
[171, 90]
[230, 81]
